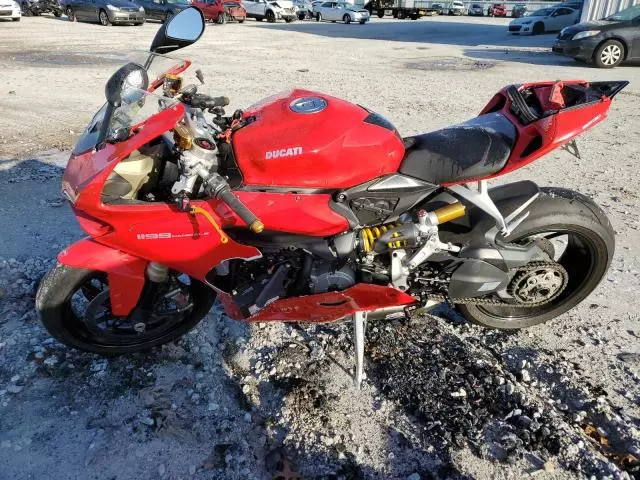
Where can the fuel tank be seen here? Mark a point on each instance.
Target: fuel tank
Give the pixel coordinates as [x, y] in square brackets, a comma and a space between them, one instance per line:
[307, 139]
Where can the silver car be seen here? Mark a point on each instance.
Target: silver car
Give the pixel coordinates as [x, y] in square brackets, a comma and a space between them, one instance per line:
[341, 12]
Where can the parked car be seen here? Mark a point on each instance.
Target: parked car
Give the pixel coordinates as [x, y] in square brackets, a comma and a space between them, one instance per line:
[456, 8]
[106, 12]
[304, 9]
[271, 11]
[607, 42]
[342, 11]
[162, 9]
[439, 8]
[545, 20]
[475, 10]
[10, 9]
[497, 10]
[38, 7]
[221, 11]
[519, 10]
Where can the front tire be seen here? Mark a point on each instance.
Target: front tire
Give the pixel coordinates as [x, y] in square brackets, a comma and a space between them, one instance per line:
[538, 29]
[222, 19]
[590, 244]
[271, 17]
[346, 19]
[104, 18]
[65, 289]
[319, 17]
[71, 16]
[608, 55]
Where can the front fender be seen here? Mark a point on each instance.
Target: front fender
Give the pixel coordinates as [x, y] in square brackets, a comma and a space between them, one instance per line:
[125, 272]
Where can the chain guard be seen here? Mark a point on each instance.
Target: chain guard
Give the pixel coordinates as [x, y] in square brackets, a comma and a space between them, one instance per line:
[518, 274]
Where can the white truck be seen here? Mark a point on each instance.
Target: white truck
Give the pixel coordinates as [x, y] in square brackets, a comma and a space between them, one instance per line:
[272, 10]
[400, 9]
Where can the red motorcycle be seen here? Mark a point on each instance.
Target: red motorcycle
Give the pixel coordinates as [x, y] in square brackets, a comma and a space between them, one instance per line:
[308, 208]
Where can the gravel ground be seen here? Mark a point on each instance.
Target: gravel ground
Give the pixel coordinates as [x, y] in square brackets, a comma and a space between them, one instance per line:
[443, 399]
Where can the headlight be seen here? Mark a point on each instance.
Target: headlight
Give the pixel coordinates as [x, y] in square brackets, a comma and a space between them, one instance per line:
[111, 7]
[585, 34]
[141, 9]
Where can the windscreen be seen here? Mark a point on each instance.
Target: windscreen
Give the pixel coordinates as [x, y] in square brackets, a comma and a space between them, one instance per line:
[137, 105]
[626, 15]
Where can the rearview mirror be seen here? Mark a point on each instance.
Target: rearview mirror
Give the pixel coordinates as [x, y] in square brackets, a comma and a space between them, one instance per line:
[128, 78]
[180, 31]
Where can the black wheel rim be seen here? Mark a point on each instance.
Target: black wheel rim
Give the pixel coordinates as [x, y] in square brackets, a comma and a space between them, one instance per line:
[579, 258]
[103, 18]
[88, 310]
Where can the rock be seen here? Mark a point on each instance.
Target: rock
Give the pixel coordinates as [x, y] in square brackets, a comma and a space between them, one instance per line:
[15, 378]
[14, 388]
[414, 476]
[147, 421]
[461, 393]
[247, 417]
[192, 470]
[525, 375]
[212, 407]
[509, 441]
[162, 470]
[549, 466]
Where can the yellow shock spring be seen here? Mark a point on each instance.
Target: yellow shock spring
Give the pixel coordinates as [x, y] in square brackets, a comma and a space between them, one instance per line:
[371, 234]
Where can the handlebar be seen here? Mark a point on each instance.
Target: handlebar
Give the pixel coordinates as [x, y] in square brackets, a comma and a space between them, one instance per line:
[218, 187]
[234, 203]
[200, 100]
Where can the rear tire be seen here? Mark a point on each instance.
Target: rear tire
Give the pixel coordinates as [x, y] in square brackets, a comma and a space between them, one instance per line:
[608, 55]
[586, 262]
[319, 17]
[71, 16]
[222, 18]
[381, 14]
[346, 19]
[400, 15]
[53, 301]
[271, 17]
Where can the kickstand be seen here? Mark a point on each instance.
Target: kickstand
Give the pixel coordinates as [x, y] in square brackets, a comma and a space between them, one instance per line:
[359, 325]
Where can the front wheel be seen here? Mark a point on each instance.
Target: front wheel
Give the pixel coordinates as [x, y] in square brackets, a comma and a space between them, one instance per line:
[74, 306]
[608, 55]
[222, 18]
[319, 17]
[104, 18]
[346, 19]
[538, 29]
[71, 16]
[577, 235]
[271, 17]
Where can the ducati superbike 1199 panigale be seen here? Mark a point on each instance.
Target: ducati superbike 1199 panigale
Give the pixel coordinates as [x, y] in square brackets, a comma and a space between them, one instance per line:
[308, 208]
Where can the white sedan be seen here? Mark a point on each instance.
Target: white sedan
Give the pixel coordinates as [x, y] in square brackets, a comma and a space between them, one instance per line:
[341, 12]
[10, 9]
[551, 19]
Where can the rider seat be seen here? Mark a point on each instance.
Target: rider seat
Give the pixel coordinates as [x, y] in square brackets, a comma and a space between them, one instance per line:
[474, 149]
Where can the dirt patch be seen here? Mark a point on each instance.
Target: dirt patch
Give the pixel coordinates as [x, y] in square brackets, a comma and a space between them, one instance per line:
[450, 63]
[71, 58]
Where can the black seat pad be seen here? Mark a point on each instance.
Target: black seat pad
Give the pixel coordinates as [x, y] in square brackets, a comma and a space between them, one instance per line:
[473, 149]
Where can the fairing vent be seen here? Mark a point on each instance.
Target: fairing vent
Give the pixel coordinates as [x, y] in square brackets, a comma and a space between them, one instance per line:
[379, 120]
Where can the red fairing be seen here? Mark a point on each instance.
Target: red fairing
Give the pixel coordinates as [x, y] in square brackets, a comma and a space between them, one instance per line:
[332, 306]
[332, 148]
[542, 136]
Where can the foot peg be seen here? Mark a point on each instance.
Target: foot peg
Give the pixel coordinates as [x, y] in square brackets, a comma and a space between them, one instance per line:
[359, 325]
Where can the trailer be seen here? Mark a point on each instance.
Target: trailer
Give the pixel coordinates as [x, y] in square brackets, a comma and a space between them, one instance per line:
[413, 9]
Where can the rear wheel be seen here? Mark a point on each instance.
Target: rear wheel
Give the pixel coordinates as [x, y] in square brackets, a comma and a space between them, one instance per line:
[401, 15]
[608, 55]
[71, 16]
[538, 28]
[319, 17]
[104, 18]
[271, 17]
[346, 19]
[578, 236]
[75, 308]
[222, 18]
[381, 13]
